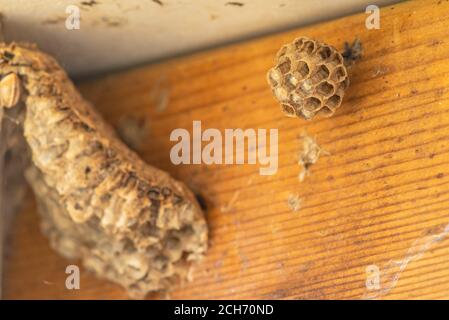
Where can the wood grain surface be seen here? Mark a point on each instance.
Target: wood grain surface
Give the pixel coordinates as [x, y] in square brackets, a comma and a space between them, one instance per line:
[379, 199]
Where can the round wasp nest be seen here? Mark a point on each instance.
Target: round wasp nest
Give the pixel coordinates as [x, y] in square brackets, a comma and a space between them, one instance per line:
[309, 78]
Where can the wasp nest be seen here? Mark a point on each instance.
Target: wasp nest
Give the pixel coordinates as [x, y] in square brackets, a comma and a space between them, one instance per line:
[128, 222]
[309, 78]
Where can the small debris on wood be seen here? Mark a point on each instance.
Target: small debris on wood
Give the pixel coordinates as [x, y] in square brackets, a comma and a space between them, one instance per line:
[352, 52]
[305, 267]
[162, 101]
[244, 261]
[435, 42]
[160, 94]
[233, 3]
[380, 71]
[294, 202]
[54, 20]
[230, 205]
[439, 92]
[158, 2]
[90, 3]
[309, 155]
[112, 21]
[133, 131]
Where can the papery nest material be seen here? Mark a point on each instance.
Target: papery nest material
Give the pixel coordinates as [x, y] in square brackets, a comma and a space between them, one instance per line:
[127, 221]
[309, 77]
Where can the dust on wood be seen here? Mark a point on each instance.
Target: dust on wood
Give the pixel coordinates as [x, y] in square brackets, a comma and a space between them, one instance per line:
[380, 71]
[294, 202]
[308, 155]
[230, 205]
[110, 21]
[160, 94]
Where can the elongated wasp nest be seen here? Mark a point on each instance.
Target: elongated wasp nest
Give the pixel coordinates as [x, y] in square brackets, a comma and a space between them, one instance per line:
[128, 222]
[309, 78]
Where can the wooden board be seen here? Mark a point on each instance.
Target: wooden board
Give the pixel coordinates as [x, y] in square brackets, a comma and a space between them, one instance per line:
[380, 199]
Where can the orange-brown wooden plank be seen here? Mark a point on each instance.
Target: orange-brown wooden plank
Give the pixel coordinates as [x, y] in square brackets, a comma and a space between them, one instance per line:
[381, 195]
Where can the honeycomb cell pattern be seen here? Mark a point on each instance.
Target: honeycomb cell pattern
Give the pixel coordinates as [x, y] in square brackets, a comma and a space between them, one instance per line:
[309, 78]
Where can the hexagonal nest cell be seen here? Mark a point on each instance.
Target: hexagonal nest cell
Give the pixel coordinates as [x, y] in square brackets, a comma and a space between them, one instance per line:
[309, 78]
